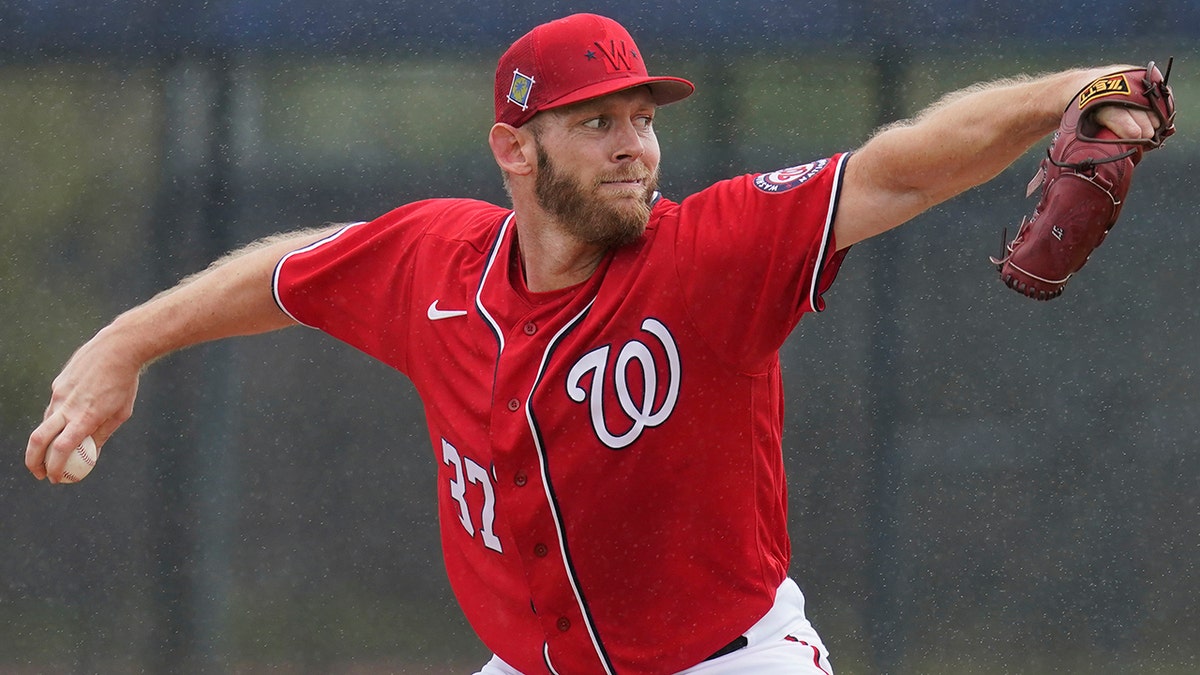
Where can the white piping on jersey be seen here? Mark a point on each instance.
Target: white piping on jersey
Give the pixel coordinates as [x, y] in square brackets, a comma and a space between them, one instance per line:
[814, 291]
[483, 280]
[537, 440]
[546, 657]
[279, 267]
[559, 526]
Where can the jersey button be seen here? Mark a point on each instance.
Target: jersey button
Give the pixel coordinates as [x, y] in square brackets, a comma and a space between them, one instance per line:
[540, 550]
[530, 328]
[564, 624]
[514, 405]
[520, 479]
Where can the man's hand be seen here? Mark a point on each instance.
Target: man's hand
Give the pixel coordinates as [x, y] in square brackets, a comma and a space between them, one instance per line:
[93, 395]
[1104, 131]
[962, 141]
[1127, 123]
[95, 392]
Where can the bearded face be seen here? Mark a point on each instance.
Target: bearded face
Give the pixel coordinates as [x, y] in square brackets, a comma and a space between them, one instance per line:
[607, 211]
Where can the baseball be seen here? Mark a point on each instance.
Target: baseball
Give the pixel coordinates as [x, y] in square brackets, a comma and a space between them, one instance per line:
[81, 462]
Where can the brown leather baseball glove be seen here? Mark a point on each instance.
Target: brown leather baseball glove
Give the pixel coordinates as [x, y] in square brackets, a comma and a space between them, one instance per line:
[1084, 179]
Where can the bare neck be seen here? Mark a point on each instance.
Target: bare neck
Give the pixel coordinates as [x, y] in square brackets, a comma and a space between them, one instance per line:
[553, 259]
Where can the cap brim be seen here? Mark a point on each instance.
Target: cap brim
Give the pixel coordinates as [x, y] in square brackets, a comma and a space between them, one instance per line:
[664, 90]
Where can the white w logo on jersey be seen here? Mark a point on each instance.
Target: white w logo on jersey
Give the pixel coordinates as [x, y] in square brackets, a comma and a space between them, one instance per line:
[643, 415]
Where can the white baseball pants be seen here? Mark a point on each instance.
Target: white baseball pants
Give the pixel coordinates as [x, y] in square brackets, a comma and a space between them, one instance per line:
[783, 642]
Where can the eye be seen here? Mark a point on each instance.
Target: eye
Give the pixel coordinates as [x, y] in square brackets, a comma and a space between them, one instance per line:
[644, 121]
[596, 123]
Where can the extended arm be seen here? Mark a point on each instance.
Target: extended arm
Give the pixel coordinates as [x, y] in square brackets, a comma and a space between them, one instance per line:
[94, 394]
[962, 141]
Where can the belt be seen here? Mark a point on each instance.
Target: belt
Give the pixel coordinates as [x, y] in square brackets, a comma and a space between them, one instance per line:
[738, 643]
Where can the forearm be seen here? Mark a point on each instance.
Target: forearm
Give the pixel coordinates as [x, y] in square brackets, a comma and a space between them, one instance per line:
[960, 142]
[970, 136]
[95, 392]
[232, 297]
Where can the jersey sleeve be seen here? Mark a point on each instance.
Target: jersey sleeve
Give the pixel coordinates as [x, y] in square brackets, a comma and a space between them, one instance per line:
[756, 252]
[356, 284]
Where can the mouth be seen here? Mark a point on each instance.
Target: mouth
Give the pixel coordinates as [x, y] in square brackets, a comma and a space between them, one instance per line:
[626, 183]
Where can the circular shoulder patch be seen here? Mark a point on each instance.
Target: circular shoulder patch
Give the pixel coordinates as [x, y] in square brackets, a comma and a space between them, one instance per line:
[786, 179]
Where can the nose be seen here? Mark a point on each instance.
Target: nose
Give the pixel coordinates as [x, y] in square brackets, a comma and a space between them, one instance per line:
[628, 144]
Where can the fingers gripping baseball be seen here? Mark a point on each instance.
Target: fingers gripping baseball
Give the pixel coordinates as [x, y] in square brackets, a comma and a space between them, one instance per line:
[92, 396]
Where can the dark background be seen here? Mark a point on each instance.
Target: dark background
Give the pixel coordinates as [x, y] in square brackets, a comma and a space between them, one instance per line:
[979, 483]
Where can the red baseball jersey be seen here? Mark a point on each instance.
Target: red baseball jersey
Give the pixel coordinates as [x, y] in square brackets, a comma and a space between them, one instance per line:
[611, 488]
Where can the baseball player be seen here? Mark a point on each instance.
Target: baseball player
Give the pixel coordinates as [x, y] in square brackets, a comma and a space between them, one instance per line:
[599, 363]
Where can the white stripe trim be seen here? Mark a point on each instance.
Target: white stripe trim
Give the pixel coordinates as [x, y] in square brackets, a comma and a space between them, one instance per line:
[496, 246]
[279, 267]
[814, 291]
[546, 656]
[558, 524]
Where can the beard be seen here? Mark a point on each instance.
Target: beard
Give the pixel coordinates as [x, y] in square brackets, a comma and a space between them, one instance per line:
[587, 216]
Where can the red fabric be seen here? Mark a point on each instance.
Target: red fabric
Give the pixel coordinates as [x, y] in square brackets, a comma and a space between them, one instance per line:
[569, 60]
[628, 512]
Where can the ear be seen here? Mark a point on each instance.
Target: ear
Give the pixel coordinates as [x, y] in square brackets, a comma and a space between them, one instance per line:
[513, 149]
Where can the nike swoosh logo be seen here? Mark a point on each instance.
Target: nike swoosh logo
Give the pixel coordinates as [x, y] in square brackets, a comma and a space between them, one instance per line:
[436, 314]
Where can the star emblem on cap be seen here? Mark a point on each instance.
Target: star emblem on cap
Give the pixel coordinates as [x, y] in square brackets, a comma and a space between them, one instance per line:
[591, 55]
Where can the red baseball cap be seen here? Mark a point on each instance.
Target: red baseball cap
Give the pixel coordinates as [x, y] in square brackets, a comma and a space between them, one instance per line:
[570, 60]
